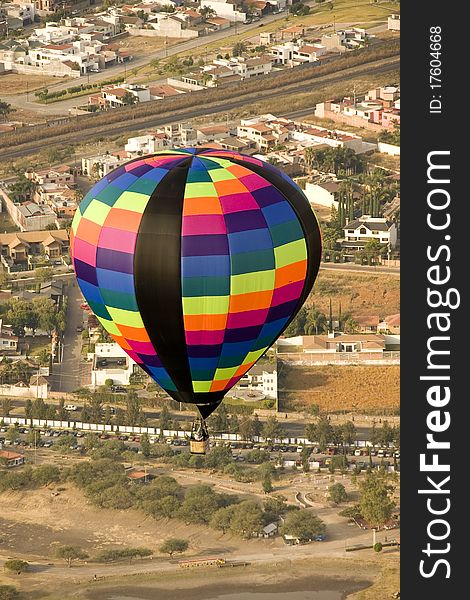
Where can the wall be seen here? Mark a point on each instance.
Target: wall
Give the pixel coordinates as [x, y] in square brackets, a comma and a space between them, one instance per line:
[389, 149]
[322, 358]
[56, 69]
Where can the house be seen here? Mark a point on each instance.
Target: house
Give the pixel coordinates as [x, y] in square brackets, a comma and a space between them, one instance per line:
[324, 193]
[11, 459]
[366, 228]
[293, 53]
[8, 341]
[390, 324]
[293, 32]
[28, 216]
[262, 378]
[393, 22]
[218, 23]
[332, 343]
[146, 144]
[228, 9]
[110, 361]
[59, 175]
[269, 530]
[39, 386]
[99, 166]
[367, 323]
[17, 248]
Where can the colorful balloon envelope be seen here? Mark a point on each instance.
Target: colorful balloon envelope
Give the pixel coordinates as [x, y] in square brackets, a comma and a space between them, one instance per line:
[195, 261]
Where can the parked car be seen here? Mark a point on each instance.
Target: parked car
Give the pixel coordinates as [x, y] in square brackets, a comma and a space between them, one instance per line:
[71, 407]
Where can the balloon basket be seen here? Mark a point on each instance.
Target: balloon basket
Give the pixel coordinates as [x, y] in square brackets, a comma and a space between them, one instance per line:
[199, 439]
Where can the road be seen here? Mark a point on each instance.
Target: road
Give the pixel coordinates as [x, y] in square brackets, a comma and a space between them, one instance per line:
[149, 122]
[353, 268]
[65, 375]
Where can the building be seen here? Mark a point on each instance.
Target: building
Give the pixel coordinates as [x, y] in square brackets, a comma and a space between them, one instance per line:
[99, 166]
[293, 53]
[367, 323]
[8, 340]
[324, 193]
[366, 228]
[59, 175]
[228, 9]
[332, 343]
[146, 144]
[11, 459]
[110, 361]
[18, 248]
[393, 22]
[390, 325]
[261, 378]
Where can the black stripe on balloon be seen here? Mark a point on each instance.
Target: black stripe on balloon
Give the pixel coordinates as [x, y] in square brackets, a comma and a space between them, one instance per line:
[157, 274]
[157, 283]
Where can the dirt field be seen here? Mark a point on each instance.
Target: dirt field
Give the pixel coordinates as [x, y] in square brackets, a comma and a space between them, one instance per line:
[359, 293]
[143, 45]
[14, 83]
[342, 388]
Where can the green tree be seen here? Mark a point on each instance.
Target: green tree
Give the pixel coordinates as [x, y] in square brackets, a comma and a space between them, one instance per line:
[378, 547]
[129, 99]
[164, 421]
[19, 314]
[6, 406]
[238, 49]
[273, 430]
[145, 444]
[246, 428]
[376, 505]
[28, 408]
[302, 524]
[5, 109]
[267, 484]
[222, 518]
[247, 519]
[13, 433]
[200, 503]
[43, 274]
[174, 545]
[70, 553]
[8, 592]
[337, 493]
[16, 566]
[134, 414]
[33, 437]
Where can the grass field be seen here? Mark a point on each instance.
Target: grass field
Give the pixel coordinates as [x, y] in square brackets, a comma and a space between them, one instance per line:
[373, 389]
[387, 582]
[359, 293]
[13, 83]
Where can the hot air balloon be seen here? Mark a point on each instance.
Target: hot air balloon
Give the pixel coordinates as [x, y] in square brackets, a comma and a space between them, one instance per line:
[194, 261]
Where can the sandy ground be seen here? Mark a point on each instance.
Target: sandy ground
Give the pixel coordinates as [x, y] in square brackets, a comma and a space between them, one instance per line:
[14, 83]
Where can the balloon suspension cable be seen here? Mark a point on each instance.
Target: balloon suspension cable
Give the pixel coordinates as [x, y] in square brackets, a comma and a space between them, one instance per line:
[199, 430]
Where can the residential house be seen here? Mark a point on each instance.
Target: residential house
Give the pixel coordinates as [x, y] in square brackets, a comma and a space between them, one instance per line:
[294, 53]
[269, 530]
[262, 378]
[99, 166]
[325, 345]
[28, 216]
[58, 175]
[110, 361]
[390, 324]
[367, 323]
[146, 144]
[323, 193]
[265, 133]
[360, 231]
[8, 340]
[18, 248]
[293, 32]
[11, 459]
[393, 22]
[218, 23]
[229, 9]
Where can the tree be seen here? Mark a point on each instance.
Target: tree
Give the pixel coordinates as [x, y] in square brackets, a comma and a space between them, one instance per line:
[5, 109]
[5, 406]
[174, 545]
[28, 408]
[164, 421]
[8, 592]
[145, 444]
[302, 524]
[19, 314]
[13, 433]
[324, 433]
[134, 414]
[238, 49]
[44, 308]
[378, 547]
[246, 428]
[272, 429]
[43, 274]
[33, 437]
[375, 504]
[70, 553]
[16, 566]
[247, 519]
[129, 99]
[199, 504]
[337, 493]
[222, 518]
[267, 484]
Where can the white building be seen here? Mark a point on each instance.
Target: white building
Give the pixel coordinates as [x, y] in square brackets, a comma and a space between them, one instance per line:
[146, 144]
[295, 53]
[260, 378]
[393, 22]
[360, 231]
[110, 361]
[324, 193]
[229, 9]
[8, 340]
[99, 166]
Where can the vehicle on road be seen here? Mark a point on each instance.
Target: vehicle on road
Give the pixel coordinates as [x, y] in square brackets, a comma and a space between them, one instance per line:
[71, 407]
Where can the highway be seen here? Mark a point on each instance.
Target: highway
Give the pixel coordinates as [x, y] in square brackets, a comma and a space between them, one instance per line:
[217, 107]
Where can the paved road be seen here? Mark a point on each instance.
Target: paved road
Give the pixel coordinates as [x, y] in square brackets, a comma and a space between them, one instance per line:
[65, 376]
[147, 123]
[353, 268]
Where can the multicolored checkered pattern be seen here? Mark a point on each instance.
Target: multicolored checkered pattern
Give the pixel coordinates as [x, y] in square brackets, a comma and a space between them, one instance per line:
[243, 262]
